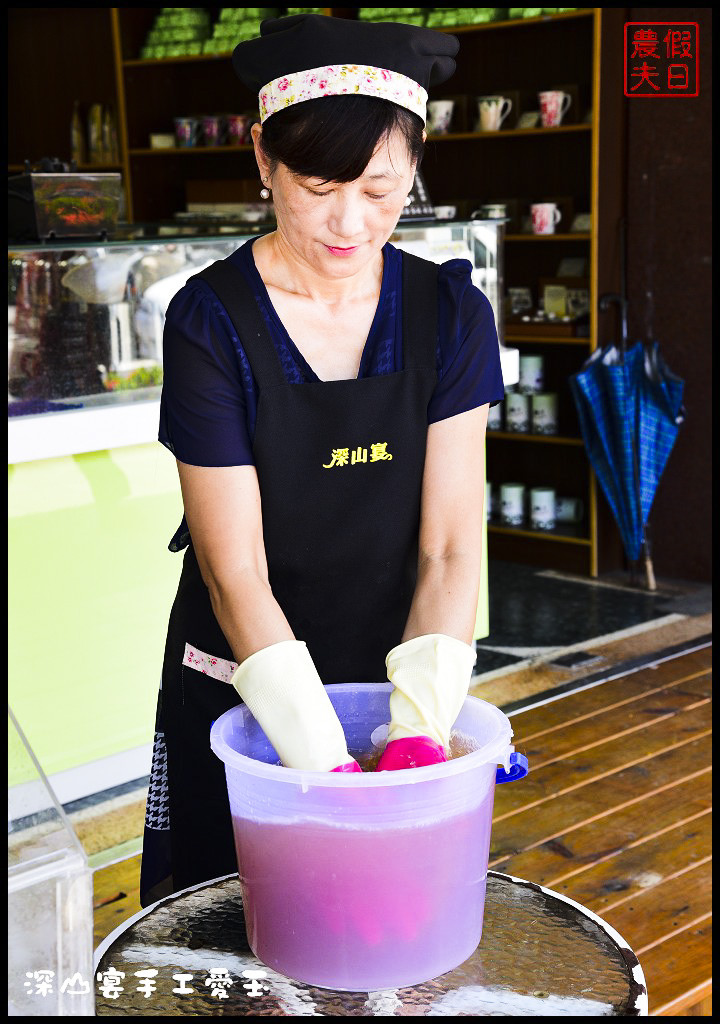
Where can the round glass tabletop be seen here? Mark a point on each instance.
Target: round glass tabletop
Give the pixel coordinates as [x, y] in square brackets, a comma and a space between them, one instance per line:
[541, 955]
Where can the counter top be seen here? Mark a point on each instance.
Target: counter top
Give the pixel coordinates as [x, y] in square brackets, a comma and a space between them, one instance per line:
[127, 335]
[104, 422]
[91, 429]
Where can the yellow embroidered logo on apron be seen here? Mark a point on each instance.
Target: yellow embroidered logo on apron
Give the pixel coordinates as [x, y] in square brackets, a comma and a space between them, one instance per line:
[341, 456]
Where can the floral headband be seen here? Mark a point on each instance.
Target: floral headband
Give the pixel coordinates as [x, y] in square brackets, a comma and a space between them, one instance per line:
[339, 79]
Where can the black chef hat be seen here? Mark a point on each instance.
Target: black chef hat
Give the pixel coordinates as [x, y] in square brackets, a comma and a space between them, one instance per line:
[307, 56]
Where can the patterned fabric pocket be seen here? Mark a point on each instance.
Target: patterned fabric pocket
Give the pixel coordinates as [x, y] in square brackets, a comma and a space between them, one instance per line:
[217, 668]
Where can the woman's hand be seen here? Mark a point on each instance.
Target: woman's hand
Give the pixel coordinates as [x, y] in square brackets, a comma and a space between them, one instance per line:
[285, 694]
[431, 677]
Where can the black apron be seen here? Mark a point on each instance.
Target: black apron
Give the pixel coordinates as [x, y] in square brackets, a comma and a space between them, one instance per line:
[340, 467]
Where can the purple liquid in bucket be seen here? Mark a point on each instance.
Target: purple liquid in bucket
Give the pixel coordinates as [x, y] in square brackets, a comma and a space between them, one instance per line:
[329, 906]
[365, 881]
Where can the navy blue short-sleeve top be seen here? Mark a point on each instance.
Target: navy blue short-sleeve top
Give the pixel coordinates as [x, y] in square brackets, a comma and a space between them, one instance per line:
[209, 399]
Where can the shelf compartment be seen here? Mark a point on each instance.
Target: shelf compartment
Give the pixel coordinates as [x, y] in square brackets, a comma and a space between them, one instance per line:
[191, 58]
[570, 236]
[92, 168]
[564, 536]
[178, 151]
[506, 435]
[538, 339]
[513, 23]
[505, 133]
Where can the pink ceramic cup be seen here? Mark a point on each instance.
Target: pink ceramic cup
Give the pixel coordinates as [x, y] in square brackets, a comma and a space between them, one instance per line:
[545, 216]
[554, 106]
[213, 130]
[238, 129]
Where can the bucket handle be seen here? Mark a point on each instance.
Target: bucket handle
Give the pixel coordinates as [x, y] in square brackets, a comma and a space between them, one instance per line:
[518, 769]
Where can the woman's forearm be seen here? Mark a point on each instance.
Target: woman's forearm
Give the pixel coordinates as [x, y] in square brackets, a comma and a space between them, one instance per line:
[446, 597]
[445, 601]
[249, 614]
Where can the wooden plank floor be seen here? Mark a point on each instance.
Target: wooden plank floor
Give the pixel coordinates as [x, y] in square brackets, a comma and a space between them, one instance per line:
[616, 814]
[116, 896]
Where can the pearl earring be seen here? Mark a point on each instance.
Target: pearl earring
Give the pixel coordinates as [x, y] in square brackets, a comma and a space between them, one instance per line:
[408, 200]
[264, 192]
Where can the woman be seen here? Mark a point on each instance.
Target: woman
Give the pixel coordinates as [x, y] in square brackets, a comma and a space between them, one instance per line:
[325, 396]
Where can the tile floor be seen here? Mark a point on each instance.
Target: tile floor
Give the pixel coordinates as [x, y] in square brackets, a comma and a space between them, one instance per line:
[535, 613]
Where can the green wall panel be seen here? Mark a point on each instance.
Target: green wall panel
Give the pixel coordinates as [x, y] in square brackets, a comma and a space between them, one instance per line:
[91, 583]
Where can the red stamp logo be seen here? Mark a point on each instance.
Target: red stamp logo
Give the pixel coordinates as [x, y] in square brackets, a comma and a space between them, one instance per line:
[662, 58]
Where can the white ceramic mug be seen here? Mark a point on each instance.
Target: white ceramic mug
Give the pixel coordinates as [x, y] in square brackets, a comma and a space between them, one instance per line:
[532, 375]
[554, 105]
[542, 508]
[568, 510]
[492, 111]
[578, 301]
[517, 413]
[494, 420]
[544, 413]
[445, 212]
[493, 211]
[520, 299]
[439, 116]
[545, 217]
[512, 504]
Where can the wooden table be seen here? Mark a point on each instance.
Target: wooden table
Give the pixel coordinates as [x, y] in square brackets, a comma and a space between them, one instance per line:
[616, 814]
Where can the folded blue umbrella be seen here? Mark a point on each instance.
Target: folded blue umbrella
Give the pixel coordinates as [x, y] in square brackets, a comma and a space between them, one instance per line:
[630, 410]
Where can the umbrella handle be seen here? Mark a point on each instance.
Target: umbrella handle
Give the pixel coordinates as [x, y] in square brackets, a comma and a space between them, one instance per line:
[649, 574]
[604, 304]
[650, 583]
[621, 299]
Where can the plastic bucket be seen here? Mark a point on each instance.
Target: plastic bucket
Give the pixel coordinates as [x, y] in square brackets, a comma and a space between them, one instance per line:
[362, 882]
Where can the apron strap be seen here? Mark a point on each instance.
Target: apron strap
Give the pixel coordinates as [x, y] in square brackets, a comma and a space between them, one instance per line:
[419, 308]
[235, 294]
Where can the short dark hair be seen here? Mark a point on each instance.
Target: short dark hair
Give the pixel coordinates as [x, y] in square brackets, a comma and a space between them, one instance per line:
[334, 137]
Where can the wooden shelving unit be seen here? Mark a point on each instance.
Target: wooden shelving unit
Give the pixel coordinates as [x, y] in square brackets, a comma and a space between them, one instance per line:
[526, 339]
[505, 133]
[556, 535]
[190, 152]
[505, 435]
[582, 159]
[576, 236]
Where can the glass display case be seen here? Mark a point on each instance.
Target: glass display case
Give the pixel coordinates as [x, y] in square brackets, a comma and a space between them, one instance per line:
[50, 916]
[85, 326]
[94, 498]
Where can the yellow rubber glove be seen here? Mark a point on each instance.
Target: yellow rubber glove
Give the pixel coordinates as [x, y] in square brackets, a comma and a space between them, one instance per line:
[431, 675]
[284, 692]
